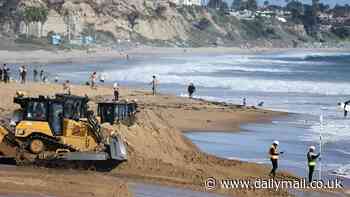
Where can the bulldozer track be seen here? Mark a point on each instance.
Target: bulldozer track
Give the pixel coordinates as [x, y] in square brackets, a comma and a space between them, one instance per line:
[52, 142]
[18, 149]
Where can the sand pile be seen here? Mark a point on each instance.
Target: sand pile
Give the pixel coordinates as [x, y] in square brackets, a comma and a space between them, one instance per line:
[159, 152]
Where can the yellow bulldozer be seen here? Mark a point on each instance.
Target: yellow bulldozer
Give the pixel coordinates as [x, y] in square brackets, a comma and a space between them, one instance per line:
[58, 131]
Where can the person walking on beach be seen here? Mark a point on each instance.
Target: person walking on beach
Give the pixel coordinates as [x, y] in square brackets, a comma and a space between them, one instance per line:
[35, 75]
[6, 73]
[20, 73]
[191, 89]
[1, 73]
[244, 102]
[67, 87]
[154, 84]
[23, 74]
[25, 71]
[116, 91]
[311, 161]
[345, 104]
[93, 79]
[42, 75]
[274, 154]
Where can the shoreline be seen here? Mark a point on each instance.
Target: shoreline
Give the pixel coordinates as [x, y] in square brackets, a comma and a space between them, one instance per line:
[107, 54]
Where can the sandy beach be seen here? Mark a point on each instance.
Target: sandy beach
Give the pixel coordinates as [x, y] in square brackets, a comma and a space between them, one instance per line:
[158, 150]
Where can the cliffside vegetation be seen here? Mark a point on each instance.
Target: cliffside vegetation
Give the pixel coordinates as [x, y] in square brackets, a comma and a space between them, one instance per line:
[158, 23]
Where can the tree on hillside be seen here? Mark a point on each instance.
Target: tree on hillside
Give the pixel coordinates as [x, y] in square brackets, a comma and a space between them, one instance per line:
[252, 5]
[341, 11]
[35, 14]
[314, 18]
[236, 4]
[223, 7]
[296, 8]
[324, 7]
[217, 4]
[43, 16]
[266, 3]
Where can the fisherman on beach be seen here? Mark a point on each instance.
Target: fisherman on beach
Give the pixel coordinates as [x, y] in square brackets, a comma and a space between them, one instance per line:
[274, 154]
[1, 73]
[6, 73]
[154, 84]
[311, 161]
[35, 75]
[42, 78]
[67, 87]
[191, 89]
[93, 79]
[23, 74]
[116, 91]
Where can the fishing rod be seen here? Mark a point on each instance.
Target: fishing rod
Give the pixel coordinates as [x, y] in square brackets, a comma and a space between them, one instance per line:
[321, 130]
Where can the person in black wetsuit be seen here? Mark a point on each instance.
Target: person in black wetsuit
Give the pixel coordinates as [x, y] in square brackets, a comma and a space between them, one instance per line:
[1, 73]
[191, 89]
[345, 104]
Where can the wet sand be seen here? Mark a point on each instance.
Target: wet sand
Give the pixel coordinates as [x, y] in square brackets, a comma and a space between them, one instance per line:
[101, 54]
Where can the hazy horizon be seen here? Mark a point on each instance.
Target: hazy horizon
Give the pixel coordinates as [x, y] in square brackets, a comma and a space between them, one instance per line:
[332, 3]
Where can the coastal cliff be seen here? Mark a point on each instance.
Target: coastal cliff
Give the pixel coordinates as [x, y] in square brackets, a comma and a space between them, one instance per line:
[155, 23]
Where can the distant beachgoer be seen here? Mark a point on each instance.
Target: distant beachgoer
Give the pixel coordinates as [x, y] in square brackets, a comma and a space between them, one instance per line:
[42, 76]
[127, 57]
[24, 74]
[56, 79]
[6, 73]
[260, 104]
[154, 84]
[1, 73]
[345, 104]
[274, 156]
[67, 87]
[93, 79]
[116, 91]
[191, 89]
[35, 75]
[20, 74]
[244, 103]
[102, 77]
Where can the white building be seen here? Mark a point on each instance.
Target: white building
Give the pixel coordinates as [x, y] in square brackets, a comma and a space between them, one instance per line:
[187, 2]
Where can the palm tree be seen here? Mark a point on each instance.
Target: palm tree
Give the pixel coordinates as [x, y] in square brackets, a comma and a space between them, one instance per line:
[28, 19]
[43, 16]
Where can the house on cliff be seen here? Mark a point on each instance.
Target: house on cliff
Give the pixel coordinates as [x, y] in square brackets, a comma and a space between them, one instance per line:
[187, 2]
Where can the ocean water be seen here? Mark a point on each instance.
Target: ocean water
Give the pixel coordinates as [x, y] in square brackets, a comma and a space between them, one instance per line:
[307, 84]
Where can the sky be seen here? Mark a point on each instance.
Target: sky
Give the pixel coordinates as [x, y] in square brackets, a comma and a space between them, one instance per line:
[282, 2]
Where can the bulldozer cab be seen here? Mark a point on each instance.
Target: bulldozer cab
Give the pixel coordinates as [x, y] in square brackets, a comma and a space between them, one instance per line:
[53, 110]
[111, 112]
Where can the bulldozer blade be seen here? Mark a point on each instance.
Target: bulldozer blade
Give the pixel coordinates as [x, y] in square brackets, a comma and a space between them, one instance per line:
[117, 149]
[3, 133]
[6, 150]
